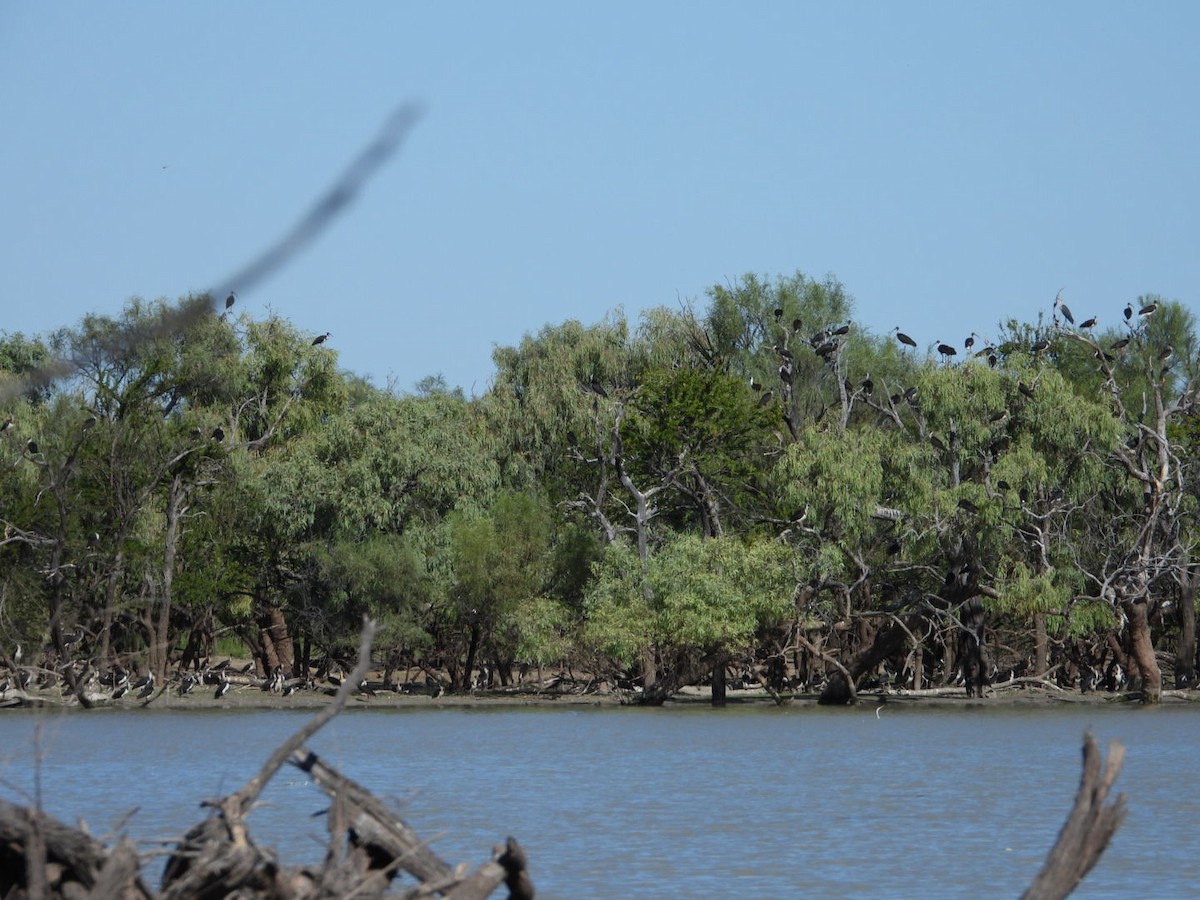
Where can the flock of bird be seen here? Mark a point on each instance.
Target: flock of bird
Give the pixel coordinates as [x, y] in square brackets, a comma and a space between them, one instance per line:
[116, 683]
[827, 342]
[949, 351]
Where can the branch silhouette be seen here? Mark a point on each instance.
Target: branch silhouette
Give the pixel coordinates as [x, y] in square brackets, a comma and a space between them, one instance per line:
[386, 143]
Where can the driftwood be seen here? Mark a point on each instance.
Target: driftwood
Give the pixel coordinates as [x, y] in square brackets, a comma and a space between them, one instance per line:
[1087, 830]
[369, 846]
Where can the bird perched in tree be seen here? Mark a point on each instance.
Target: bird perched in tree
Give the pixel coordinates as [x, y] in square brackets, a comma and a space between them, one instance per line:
[230, 300]
[1128, 311]
[946, 350]
[8, 424]
[1120, 345]
[1040, 346]
[970, 341]
[1062, 307]
[31, 446]
[904, 338]
[320, 339]
[89, 423]
[1148, 310]
[1088, 323]
[218, 434]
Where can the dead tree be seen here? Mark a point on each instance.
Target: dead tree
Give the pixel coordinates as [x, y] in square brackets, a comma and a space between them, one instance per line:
[1088, 829]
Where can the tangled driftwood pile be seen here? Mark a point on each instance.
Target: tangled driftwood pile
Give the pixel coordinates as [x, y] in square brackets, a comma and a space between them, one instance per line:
[373, 853]
[369, 846]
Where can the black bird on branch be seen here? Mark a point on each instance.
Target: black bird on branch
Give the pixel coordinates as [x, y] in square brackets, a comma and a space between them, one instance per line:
[320, 339]
[904, 338]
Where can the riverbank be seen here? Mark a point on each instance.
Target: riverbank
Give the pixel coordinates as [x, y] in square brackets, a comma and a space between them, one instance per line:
[251, 697]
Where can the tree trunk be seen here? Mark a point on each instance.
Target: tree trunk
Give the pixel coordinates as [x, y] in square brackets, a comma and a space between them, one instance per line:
[464, 682]
[1142, 651]
[159, 623]
[649, 667]
[838, 690]
[1185, 650]
[1041, 645]
[275, 637]
[718, 684]
[974, 658]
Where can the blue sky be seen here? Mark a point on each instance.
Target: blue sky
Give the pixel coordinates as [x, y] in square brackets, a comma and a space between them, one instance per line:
[953, 164]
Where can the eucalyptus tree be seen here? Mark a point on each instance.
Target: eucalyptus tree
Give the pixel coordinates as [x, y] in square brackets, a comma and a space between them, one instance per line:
[378, 468]
[710, 598]
[119, 419]
[703, 436]
[1140, 545]
[500, 563]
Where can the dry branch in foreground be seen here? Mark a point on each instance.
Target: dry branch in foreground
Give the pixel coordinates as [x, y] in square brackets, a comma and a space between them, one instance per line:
[369, 846]
[1088, 829]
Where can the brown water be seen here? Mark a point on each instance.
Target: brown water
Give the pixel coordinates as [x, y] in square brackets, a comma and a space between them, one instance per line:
[760, 802]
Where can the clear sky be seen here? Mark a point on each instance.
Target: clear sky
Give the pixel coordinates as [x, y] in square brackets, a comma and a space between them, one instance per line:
[953, 164]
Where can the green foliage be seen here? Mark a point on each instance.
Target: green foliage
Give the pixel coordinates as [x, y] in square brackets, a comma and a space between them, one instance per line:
[179, 478]
[705, 594]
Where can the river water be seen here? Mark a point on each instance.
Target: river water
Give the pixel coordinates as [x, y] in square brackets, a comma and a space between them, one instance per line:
[672, 802]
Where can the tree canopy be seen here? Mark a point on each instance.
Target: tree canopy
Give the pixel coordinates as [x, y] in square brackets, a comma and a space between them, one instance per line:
[757, 484]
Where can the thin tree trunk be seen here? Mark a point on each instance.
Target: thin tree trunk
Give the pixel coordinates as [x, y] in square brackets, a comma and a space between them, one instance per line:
[718, 684]
[1142, 651]
[1041, 645]
[1185, 650]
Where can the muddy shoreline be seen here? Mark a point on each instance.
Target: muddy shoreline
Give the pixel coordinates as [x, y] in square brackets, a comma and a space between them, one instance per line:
[253, 698]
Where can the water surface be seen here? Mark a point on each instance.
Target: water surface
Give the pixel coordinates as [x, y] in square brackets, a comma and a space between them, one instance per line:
[745, 802]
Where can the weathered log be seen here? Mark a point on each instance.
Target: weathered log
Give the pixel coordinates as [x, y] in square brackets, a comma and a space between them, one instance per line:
[217, 855]
[373, 825]
[61, 859]
[507, 866]
[1087, 830]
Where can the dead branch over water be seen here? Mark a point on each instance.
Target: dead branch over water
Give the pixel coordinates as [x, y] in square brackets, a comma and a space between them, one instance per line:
[1088, 829]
